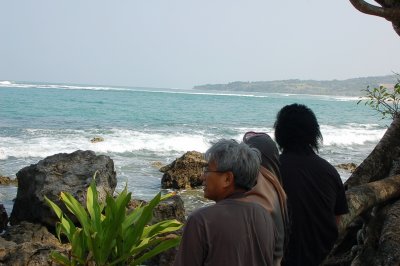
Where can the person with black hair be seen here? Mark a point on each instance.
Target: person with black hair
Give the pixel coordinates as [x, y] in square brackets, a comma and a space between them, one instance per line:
[315, 192]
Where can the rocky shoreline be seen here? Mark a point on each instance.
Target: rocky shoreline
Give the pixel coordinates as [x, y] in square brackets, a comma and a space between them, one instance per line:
[27, 236]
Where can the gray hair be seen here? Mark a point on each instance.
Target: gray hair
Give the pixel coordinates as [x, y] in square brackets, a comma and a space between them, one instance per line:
[239, 158]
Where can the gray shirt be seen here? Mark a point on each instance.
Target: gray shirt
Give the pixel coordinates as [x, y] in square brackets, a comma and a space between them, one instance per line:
[231, 232]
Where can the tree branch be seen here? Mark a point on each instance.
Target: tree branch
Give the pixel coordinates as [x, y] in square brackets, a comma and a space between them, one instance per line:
[392, 14]
[364, 197]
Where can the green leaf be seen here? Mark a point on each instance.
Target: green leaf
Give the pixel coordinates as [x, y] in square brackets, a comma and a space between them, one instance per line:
[79, 250]
[167, 196]
[163, 246]
[145, 217]
[161, 228]
[59, 258]
[76, 208]
[93, 207]
[66, 226]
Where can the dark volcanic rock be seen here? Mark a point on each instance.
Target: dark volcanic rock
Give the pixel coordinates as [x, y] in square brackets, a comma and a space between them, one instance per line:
[184, 172]
[171, 208]
[28, 244]
[61, 172]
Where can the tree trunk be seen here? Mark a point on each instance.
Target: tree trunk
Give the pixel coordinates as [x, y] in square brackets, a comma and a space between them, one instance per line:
[377, 165]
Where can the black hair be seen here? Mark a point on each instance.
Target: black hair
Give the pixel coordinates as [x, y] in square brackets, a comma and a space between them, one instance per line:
[297, 128]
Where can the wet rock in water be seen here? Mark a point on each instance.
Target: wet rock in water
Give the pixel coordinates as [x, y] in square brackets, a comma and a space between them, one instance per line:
[5, 180]
[157, 165]
[351, 167]
[62, 172]
[184, 172]
[96, 139]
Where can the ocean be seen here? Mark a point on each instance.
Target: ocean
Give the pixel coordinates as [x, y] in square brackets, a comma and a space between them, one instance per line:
[142, 127]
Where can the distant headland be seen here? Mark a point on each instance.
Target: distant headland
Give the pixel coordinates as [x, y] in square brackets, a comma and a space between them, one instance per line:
[348, 87]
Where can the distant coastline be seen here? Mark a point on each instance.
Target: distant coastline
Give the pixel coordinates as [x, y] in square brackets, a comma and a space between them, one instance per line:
[348, 87]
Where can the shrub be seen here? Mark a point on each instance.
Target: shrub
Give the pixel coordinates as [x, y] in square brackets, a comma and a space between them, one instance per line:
[383, 100]
[108, 234]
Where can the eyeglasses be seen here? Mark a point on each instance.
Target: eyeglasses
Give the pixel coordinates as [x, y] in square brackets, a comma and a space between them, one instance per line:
[250, 134]
[205, 171]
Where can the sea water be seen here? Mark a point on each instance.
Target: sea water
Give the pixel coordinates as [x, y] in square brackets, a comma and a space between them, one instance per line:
[142, 127]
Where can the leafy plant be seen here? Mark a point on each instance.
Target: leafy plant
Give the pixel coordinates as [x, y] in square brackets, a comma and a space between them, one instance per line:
[109, 235]
[383, 100]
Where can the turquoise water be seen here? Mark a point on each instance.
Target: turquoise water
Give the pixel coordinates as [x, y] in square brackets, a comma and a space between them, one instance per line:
[143, 126]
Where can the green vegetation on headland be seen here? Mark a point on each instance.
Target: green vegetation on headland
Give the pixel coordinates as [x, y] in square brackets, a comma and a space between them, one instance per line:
[348, 87]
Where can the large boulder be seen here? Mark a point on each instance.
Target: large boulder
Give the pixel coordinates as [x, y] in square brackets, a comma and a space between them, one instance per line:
[184, 172]
[70, 173]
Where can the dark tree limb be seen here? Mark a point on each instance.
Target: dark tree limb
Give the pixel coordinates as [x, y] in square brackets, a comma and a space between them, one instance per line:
[389, 13]
[389, 10]
[378, 164]
[362, 198]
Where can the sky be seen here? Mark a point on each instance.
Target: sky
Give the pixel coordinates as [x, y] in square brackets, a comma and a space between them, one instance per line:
[183, 43]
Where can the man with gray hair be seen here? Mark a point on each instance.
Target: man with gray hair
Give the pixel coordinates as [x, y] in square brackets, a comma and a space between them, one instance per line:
[232, 231]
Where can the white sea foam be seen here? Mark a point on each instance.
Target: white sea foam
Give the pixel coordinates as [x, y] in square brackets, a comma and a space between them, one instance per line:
[106, 88]
[57, 86]
[2, 154]
[42, 142]
[172, 91]
[351, 134]
[346, 99]
[5, 83]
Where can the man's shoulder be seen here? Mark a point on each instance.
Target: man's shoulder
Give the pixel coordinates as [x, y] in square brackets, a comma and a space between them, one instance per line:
[224, 206]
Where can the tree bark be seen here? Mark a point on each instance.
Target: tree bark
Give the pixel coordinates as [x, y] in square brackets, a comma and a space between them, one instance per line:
[364, 197]
[388, 252]
[377, 165]
[368, 238]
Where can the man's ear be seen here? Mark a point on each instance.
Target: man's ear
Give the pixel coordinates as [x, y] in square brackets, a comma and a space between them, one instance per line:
[229, 180]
